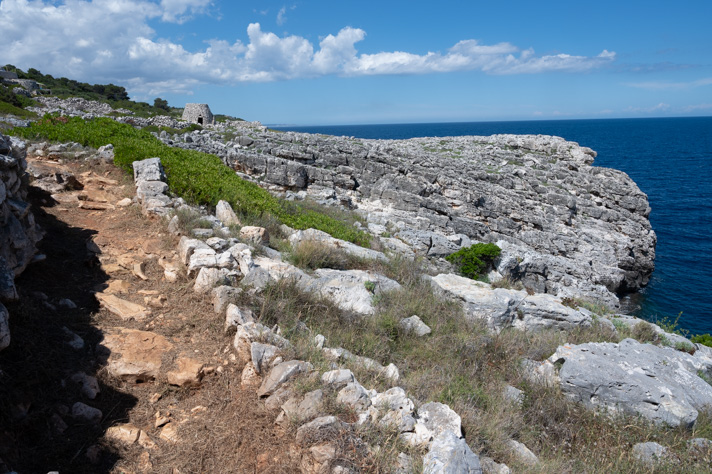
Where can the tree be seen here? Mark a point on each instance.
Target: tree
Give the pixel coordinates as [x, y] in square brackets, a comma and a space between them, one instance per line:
[160, 103]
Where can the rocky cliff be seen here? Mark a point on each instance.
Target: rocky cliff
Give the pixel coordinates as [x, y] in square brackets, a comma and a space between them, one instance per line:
[566, 227]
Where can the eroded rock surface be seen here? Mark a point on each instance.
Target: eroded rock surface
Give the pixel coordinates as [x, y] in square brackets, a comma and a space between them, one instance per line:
[659, 383]
[566, 226]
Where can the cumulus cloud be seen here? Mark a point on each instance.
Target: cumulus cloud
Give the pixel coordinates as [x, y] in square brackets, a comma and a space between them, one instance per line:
[112, 40]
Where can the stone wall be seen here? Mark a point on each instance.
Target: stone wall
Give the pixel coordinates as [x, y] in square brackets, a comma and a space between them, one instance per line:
[18, 232]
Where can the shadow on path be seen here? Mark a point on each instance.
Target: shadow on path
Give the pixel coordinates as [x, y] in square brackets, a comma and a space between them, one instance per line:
[37, 430]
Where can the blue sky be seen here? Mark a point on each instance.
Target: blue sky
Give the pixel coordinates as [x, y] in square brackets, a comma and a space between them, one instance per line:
[317, 62]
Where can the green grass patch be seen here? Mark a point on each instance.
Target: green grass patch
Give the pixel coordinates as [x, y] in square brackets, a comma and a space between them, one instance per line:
[704, 339]
[6, 108]
[197, 177]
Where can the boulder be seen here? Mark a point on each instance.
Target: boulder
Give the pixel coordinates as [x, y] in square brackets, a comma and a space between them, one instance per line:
[651, 453]
[450, 454]
[329, 241]
[414, 325]
[225, 213]
[658, 383]
[502, 308]
[351, 290]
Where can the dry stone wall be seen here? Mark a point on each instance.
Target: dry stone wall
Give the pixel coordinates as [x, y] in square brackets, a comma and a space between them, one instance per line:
[19, 233]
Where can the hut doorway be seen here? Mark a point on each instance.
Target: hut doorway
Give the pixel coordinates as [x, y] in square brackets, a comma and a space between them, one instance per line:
[200, 120]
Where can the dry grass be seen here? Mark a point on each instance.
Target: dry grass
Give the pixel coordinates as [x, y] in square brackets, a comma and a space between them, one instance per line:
[468, 368]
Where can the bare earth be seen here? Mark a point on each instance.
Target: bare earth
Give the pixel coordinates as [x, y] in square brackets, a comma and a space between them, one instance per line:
[211, 424]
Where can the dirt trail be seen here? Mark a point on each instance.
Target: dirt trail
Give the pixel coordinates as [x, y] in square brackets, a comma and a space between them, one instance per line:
[94, 245]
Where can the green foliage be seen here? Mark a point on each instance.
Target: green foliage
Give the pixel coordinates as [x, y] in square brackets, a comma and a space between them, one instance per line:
[197, 177]
[474, 260]
[161, 104]
[6, 108]
[114, 95]
[16, 101]
[704, 339]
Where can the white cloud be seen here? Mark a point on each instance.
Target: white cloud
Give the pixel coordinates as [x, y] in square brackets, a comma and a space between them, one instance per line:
[180, 11]
[111, 41]
[660, 85]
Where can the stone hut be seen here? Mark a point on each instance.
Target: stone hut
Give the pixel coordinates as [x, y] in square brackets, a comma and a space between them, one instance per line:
[198, 113]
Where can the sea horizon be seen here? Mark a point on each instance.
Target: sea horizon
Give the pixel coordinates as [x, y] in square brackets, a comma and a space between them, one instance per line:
[534, 120]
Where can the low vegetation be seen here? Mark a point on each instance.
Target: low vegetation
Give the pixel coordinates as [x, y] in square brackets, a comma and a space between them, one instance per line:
[467, 367]
[474, 261]
[197, 177]
[704, 339]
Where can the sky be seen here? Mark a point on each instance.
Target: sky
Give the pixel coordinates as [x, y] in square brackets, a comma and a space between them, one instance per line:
[364, 62]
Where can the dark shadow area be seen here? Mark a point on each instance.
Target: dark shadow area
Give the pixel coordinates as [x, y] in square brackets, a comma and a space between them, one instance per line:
[38, 432]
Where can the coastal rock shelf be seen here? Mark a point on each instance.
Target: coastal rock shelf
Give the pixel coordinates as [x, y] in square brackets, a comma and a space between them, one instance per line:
[565, 227]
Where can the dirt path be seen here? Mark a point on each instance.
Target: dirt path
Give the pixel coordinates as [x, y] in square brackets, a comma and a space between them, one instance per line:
[211, 424]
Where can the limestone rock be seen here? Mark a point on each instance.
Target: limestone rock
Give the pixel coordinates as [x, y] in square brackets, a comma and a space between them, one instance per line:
[262, 355]
[352, 290]
[281, 374]
[329, 241]
[125, 434]
[659, 383]
[188, 373]
[135, 355]
[414, 325]
[502, 308]
[306, 408]
[355, 396]
[223, 296]
[256, 235]
[235, 316]
[320, 429]
[124, 309]
[449, 454]
[651, 453]
[89, 385]
[226, 214]
[522, 453]
[86, 413]
[433, 419]
[338, 378]
[209, 278]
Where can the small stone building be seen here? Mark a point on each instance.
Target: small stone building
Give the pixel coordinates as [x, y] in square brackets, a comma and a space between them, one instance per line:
[198, 113]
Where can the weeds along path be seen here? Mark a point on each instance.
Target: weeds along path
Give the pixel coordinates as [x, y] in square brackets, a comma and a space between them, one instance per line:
[55, 416]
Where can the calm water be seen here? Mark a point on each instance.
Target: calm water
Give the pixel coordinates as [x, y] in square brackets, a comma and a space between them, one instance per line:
[669, 158]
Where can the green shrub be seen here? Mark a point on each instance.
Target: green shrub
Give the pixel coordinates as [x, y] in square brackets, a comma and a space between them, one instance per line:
[704, 339]
[195, 176]
[474, 261]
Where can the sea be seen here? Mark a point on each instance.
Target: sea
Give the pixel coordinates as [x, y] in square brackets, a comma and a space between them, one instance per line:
[671, 161]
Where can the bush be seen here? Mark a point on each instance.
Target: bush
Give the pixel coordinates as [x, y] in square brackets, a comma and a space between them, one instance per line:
[474, 261]
[704, 339]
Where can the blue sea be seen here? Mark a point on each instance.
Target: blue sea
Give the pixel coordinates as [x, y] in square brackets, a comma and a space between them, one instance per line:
[671, 161]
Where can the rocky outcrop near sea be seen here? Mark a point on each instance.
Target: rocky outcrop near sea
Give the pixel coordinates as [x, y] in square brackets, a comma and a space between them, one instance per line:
[566, 227]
